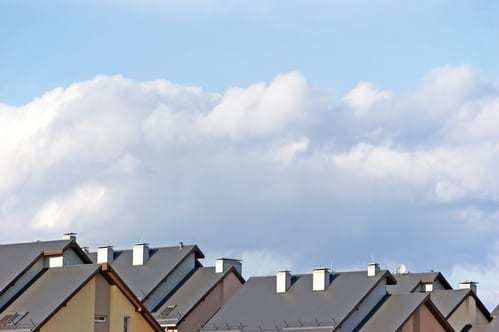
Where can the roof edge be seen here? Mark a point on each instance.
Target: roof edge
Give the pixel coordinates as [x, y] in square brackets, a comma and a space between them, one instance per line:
[115, 279]
[224, 275]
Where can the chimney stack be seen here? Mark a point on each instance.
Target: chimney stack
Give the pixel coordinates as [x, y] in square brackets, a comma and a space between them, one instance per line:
[283, 281]
[427, 286]
[69, 236]
[321, 278]
[372, 269]
[222, 264]
[105, 254]
[140, 254]
[468, 284]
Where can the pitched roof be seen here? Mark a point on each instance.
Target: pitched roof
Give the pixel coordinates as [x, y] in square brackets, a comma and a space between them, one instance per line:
[396, 310]
[45, 296]
[190, 293]
[18, 257]
[448, 300]
[407, 282]
[257, 305]
[143, 279]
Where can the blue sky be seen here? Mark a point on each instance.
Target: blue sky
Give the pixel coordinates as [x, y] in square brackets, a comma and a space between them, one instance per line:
[218, 44]
[291, 134]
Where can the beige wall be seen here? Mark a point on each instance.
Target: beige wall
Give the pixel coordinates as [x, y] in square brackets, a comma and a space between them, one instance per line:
[79, 309]
[422, 320]
[97, 297]
[120, 307]
[467, 313]
[210, 304]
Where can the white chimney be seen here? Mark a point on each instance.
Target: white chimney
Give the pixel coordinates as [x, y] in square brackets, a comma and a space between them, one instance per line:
[372, 269]
[427, 286]
[222, 264]
[56, 261]
[321, 279]
[468, 284]
[282, 281]
[105, 254]
[69, 236]
[140, 254]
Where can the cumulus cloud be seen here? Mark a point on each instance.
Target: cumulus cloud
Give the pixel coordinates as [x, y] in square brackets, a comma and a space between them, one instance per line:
[364, 96]
[279, 170]
[83, 203]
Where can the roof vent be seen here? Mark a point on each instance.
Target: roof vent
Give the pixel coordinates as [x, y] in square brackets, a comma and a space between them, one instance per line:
[282, 281]
[69, 236]
[105, 254]
[372, 269]
[222, 264]
[468, 284]
[321, 279]
[140, 254]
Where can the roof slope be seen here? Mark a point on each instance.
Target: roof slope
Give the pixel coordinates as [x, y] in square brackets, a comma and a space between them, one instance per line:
[495, 312]
[257, 306]
[42, 299]
[407, 282]
[394, 312]
[190, 293]
[16, 258]
[448, 300]
[143, 279]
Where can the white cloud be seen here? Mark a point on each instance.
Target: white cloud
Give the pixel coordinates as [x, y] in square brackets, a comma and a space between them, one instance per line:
[270, 163]
[364, 96]
[260, 109]
[60, 212]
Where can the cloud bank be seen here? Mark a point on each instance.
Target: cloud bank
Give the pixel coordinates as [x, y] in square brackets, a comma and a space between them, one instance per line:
[277, 172]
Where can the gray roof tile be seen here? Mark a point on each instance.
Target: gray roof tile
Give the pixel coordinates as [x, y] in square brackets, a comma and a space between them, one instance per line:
[143, 279]
[257, 305]
[392, 314]
[15, 258]
[189, 294]
[407, 282]
[45, 296]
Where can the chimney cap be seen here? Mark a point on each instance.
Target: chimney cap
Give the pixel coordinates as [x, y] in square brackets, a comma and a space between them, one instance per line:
[469, 282]
[142, 244]
[322, 269]
[106, 246]
[229, 259]
[69, 236]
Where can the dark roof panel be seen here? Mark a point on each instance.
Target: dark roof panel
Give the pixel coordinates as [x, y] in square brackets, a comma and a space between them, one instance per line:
[392, 314]
[143, 279]
[447, 300]
[189, 294]
[15, 258]
[407, 282]
[45, 296]
[257, 306]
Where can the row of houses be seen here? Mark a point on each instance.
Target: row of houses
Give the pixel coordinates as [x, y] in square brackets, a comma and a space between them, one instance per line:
[59, 286]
